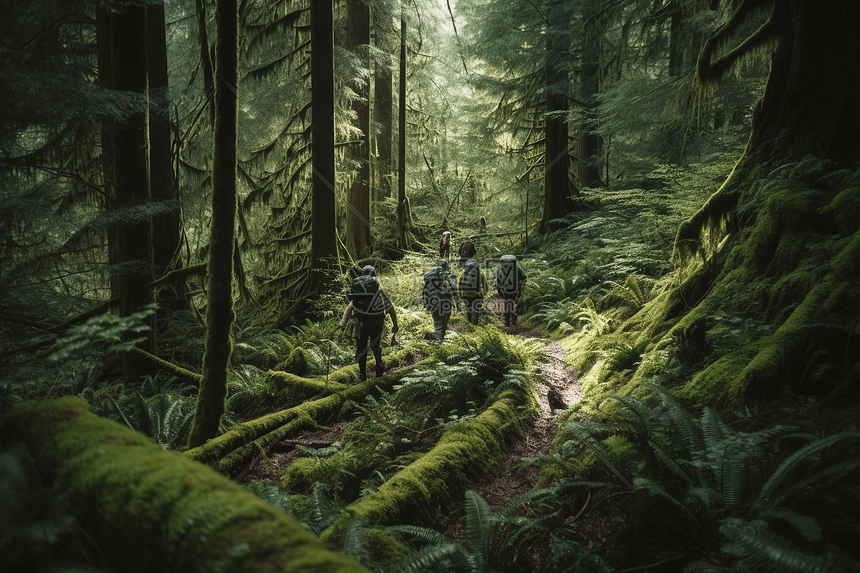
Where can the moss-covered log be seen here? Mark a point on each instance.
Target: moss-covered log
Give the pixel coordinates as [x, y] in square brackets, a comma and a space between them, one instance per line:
[151, 510]
[438, 478]
[234, 450]
[186, 376]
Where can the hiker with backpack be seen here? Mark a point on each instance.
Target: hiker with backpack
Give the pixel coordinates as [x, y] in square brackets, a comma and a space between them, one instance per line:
[467, 251]
[369, 303]
[472, 285]
[445, 246]
[439, 297]
[510, 281]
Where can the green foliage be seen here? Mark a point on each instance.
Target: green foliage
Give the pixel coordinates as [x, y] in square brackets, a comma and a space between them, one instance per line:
[108, 332]
[492, 539]
[567, 556]
[709, 473]
[164, 417]
[759, 549]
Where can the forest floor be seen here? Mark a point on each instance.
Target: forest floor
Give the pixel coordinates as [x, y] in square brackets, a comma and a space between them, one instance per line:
[558, 390]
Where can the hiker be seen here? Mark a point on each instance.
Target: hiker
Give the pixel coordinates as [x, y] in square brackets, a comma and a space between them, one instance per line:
[369, 304]
[472, 286]
[445, 245]
[510, 281]
[466, 252]
[439, 297]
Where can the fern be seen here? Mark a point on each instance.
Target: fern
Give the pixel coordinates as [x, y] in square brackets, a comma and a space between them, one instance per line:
[762, 550]
[793, 462]
[442, 557]
[481, 524]
[322, 510]
[108, 332]
[595, 323]
[566, 556]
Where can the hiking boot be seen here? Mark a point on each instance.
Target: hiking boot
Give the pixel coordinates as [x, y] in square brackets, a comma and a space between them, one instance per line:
[380, 370]
[362, 376]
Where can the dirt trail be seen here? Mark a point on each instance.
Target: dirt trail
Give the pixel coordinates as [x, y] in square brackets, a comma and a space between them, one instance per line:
[560, 391]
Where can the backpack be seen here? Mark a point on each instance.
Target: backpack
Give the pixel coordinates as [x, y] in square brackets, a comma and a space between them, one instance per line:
[467, 250]
[510, 277]
[435, 296]
[368, 301]
[470, 280]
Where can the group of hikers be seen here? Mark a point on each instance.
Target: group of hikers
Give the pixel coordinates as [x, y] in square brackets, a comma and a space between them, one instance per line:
[440, 295]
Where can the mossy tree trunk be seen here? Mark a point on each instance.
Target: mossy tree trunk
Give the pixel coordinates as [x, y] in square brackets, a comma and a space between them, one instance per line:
[219, 274]
[358, 208]
[323, 214]
[785, 219]
[133, 247]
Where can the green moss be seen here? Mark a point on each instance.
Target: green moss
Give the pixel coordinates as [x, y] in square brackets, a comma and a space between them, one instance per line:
[296, 363]
[438, 478]
[844, 210]
[152, 510]
[303, 473]
[234, 450]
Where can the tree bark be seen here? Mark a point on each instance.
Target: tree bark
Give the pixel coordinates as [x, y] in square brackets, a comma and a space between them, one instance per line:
[383, 117]
[403, 214]
[588, 142]
[133, 240]
[557, 202]
[219, 310]
[811, 104]
[165, 237]
[323, 218]
[358, 238]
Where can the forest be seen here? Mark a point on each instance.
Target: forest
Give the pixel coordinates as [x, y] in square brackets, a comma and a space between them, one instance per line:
[189, 187]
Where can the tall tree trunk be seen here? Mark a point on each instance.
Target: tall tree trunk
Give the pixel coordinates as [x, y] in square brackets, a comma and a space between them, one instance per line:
[812, 98]
[133, 240]
[219, 274]
[358, 237]
[557, 202]
[205, 54]
[403, 214]
[108, 157]
[588, 142]
[165, 227]
[323, 220]
[799, 212]
[382, 95]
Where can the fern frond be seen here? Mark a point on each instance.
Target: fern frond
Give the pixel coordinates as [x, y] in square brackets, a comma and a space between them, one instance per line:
[433, 558]
[481, 525]
[680, 420]
[670, 463]
[322, 510]
[763, 551]
[824, 477]
[642, 414]
[804, 524]
[566, 555]
[652, 488]
[425, 534]
[588, 441]
[793, 461]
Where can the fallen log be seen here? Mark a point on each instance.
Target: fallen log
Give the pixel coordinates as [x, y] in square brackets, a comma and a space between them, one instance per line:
[147, 509]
